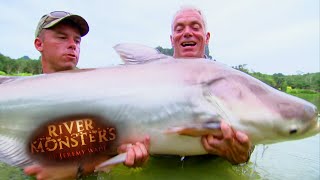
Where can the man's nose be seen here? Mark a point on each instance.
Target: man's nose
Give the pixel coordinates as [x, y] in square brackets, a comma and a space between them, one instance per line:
[72, 43]
[187, 32]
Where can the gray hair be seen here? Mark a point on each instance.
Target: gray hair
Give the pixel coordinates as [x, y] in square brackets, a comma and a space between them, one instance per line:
[189, 8]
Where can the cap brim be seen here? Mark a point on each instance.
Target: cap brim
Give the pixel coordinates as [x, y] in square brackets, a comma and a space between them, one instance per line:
[78, 20]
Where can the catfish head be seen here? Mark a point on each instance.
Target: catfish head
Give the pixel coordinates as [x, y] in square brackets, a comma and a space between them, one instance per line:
[266, 114]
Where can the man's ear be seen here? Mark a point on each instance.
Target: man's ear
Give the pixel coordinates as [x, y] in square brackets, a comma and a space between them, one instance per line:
[38, 44]
[172, 44]
[207, 37]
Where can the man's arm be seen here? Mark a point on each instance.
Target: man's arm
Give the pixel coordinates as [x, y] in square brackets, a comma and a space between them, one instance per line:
[234, 146]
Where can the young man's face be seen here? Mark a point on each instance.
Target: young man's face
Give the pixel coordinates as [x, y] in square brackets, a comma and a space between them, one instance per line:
[60, 47]
[189, 36]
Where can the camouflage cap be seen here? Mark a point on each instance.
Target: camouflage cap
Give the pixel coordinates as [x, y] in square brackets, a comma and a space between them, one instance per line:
[55, 17]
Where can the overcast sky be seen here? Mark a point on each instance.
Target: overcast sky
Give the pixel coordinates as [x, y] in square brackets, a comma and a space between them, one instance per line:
[270, 36]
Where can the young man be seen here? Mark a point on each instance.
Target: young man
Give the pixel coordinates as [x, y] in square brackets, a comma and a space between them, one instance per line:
[189, 38]
[57, 38]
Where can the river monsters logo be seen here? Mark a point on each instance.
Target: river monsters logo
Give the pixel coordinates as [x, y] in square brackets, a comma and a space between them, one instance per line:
[72, 138]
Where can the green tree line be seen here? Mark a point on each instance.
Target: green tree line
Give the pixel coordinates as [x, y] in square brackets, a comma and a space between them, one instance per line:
[309, 82]
[18, 66]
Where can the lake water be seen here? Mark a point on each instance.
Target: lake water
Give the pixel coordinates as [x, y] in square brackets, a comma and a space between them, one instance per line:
[293, 160]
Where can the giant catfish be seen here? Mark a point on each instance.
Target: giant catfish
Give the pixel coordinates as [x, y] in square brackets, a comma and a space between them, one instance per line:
[74, 114]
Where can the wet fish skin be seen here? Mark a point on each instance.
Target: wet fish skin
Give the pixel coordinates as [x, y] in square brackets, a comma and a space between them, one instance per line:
[168, 99]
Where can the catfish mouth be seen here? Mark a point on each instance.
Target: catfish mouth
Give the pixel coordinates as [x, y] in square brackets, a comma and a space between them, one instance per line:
[314, 128]
[188, 44]
[299, 131]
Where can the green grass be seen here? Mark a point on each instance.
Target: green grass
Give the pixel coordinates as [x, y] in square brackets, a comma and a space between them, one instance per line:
[20, 74]
[301, 91]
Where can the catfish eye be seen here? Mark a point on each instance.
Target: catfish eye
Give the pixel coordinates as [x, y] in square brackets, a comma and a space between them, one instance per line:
[293, 131]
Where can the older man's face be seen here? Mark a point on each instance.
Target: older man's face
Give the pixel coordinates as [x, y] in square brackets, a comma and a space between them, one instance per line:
[189, 36]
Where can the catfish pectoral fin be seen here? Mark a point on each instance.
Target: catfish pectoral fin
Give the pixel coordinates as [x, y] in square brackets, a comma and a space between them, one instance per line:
[6, 79]
[12, 152]
[196, 130]
[107, 165]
